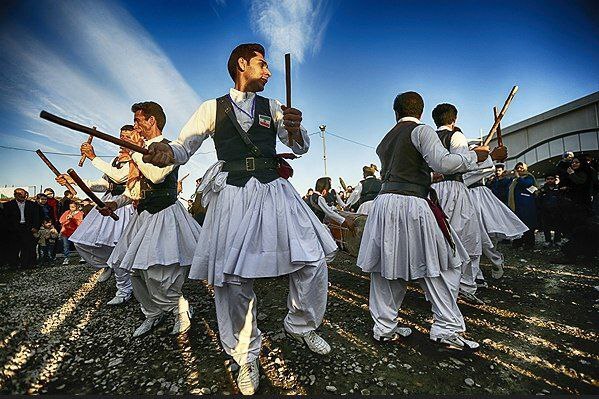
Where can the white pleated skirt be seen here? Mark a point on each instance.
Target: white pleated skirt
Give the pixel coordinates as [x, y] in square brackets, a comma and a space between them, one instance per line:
[97, 230]
[259, 230]
[455, 201]
[498, 220]
[165, 238]
[402, 240]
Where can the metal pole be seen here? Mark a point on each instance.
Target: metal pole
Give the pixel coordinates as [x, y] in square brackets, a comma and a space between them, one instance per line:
[324, 147]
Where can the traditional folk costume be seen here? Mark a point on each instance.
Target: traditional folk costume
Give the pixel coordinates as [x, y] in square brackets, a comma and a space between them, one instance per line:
[364, 193]
[455, 201]
[257, 225]
[497, 221]
[406, 236]
[324, 209]
[157, 245]
[97, 236]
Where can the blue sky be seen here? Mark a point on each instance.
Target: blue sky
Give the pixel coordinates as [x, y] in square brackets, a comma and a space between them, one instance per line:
[90, 60]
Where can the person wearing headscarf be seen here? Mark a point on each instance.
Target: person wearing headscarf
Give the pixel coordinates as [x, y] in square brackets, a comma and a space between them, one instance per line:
[522, 200]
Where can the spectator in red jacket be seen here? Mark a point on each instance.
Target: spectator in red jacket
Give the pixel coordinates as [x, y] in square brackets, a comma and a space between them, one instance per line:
[70, 220]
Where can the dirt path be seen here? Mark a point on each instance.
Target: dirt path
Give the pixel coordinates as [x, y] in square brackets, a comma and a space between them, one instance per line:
[539, 329]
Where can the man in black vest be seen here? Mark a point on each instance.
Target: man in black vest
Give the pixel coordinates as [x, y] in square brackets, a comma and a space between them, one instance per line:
[455, 200]
[406, 235]
[367, 189]
[157, 244]
[256, 225]
[96, 237]
[323, 205]
[23, 219]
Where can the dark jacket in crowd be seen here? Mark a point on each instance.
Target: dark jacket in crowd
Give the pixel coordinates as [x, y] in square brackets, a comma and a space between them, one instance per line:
[501, 188]
[21, 249]
[548, 203]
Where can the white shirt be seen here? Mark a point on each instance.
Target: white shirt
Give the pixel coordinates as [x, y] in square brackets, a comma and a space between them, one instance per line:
[330, 212]
[427, 142]
[21, 206]
[119, 175]
[202, 124]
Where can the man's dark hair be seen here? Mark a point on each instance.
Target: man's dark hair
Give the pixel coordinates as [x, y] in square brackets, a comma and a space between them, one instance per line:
[42, 196]
[46, 220]
[150, 108]
[129, 128]
[68, 193]
[49, 189]
[445, 114]
[324, 183]
[247, 51]
[409, 103]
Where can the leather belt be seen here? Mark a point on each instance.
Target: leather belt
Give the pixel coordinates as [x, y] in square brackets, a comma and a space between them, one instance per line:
[250, 164]
[405, 188]
[454, 177]
[477, 184]
[158, 194]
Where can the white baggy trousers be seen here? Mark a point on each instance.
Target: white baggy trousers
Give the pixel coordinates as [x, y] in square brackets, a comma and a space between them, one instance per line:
[158, 289]
[97, 257]
[236, 310]
[386, 297]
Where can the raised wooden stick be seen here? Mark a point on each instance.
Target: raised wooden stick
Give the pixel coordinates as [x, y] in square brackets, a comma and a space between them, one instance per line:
[89, 141]
[184, 177]
[288, 86]
[93, 132]
[89, 192]
[509, 99]
[499, 138]
[54, 170]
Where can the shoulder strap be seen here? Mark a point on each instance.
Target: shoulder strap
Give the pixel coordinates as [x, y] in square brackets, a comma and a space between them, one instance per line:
[244, 136]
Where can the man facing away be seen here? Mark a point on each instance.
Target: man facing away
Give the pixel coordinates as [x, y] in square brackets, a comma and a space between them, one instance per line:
[455, 200]
[406, 236]
[257, 225]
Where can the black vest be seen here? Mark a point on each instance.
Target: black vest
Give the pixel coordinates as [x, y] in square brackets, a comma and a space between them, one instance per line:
[313, 203]
[445, 137]
[158, 196]
[114, 187]
[400, 161]
[230, 146]
[370, 189]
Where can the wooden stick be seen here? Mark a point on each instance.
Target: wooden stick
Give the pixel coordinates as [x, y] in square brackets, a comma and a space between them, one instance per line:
[509, 99]
[54, 170]
[89, 192]
[83, 157]
[499, 138]
[93, 132]
[288, 87]
[288, 80]
[184, 177]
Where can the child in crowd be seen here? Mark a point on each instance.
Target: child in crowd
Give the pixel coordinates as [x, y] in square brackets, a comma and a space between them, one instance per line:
[46, 239]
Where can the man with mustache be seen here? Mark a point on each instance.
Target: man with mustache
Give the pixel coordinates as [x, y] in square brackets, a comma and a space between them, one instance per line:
[257, 225]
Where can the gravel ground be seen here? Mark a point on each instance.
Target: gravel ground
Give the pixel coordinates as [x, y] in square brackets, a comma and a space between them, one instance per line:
[538, 329]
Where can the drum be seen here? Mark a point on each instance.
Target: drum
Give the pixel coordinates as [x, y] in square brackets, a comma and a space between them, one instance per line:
[348, 241]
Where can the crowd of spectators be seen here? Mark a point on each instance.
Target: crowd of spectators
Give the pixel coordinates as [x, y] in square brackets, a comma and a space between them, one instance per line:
[566, 206]
[34, 230]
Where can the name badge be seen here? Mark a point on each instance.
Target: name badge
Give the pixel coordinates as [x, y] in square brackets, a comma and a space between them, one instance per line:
[264, 121]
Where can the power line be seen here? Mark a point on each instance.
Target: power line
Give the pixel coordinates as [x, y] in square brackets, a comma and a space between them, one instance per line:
[351, 141]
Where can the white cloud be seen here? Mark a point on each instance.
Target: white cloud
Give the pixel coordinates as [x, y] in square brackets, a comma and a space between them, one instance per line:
[290, 26]
[92, 62]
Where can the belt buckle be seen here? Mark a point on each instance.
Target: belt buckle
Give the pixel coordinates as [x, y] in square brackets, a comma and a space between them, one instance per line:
[250, 164]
